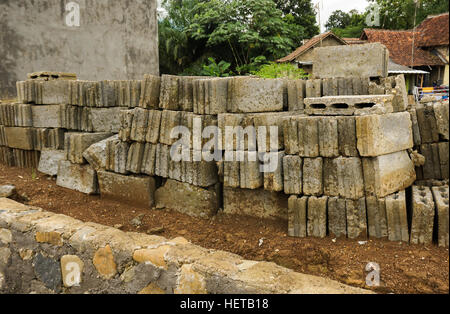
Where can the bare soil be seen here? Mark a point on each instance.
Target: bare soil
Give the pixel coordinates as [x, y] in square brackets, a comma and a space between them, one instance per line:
[405, 269]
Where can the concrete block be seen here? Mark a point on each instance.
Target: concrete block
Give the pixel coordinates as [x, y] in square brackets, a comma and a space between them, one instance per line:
[384, 134]
[256, 203]
[293, 175]
[356, 218]
[134, 190]
[48, 116]
[442, 119]
[296, 90]
[169, 120]
[328, 137]
[396, 215]
[105, 119]
[135, 158]
[48, 163]
[150, 92]
[140, 125]
[312, 176]
[297, 210]
[330, 87]
[162, 160]
[149, 159]
[443, 148]
[76, 143]
[273, 137]
[291, 136]
[313, 88]
[81, 178]
[347, 137]
[308, 136]
[317, 217]
[126, 122]
[55, 92]
[427, 124]
[441, 200]
[249, 171]
[350, 177]
[388, 174]
[154, 124]
[96, 154]
[250, 95]
[400, 102]
[376, 217]
[330, 177]
[273, 178]
[349, 105]
[188, 199]
[20, 138]
[347, 61]
[116, 156]
[415, 127]
[337, 217]
[423, 211]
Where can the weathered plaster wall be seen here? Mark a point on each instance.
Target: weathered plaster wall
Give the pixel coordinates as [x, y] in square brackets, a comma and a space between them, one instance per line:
[115, 40]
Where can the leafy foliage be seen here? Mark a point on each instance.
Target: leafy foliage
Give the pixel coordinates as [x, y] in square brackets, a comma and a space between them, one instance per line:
[281, 70]
[244, 33]
[220, 69]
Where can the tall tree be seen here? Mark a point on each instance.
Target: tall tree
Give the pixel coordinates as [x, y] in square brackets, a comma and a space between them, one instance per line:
[338, 19]
[345, 24]
[404, 14]
[303, 13]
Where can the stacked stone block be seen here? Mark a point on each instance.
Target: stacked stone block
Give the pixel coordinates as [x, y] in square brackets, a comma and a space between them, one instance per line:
[431, 136]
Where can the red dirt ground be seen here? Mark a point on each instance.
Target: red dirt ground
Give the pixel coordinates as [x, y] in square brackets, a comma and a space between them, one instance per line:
[404, 268]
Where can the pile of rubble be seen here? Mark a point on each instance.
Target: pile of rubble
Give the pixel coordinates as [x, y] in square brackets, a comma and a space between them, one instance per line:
[344, 150]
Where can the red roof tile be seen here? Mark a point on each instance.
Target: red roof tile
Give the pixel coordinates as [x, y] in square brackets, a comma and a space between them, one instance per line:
[399, 44]
[310, 44]
[434, 31]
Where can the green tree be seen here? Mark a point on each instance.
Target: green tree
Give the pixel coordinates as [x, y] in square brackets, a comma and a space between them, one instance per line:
[345, 24]
[404, 14]
[244, 28]
[303, 15]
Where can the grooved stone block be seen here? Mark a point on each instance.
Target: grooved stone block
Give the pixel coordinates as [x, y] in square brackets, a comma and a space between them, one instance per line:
[343, 177]
[296, 94]
[356, 218]
[317, 216]
[308, 136]
[415, 127]
[337, 217]
[20, 138]
[293, 175]
[313, 88]
[388, 174]
[396, 215]
[188, 199]
[273, 171]
[422, 216]
[368, 60]
[312, 176]
[55, 92]
[441, 199]
[297, 209]
[48, 116]
[136, 190]
[105, 119]
[427, 124]
[81, 178]
[116, 156]
[150, 92]
[48, 163]
[384, 134]
[443, 148]
[347, 136]
[96, 154]
[76, 143]
[328, 137]
[256, 203]
[376, 217]
[249, 95]
[442, 118]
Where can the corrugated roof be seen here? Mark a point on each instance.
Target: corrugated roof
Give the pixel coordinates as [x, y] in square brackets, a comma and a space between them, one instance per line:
[395, 68]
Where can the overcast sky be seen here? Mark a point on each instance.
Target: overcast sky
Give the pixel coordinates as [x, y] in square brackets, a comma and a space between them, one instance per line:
[328, 6]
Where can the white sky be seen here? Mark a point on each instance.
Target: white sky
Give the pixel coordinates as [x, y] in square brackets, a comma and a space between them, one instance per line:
[328, 6]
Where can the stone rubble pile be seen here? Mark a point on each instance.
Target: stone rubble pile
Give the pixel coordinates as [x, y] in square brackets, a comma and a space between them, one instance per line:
[342, 149]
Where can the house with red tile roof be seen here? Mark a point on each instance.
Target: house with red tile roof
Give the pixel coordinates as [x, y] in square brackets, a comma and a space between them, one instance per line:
[424, 48]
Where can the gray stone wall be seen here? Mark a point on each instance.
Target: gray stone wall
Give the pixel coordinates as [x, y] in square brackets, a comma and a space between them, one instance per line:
[115, 39]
